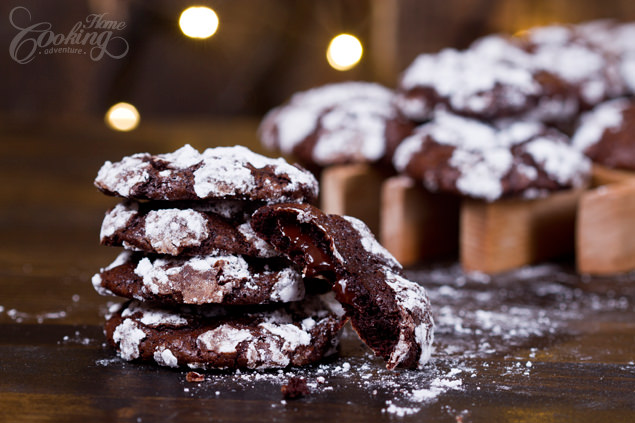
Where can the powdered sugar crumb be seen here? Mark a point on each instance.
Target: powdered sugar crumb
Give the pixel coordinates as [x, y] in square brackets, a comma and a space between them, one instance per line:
[511, 315]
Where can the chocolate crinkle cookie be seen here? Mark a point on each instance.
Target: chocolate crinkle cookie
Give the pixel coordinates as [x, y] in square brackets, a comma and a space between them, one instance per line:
[195, 230]
[207, 290]
[490, 161]
[548, 73]
[350, 122]
[225, 280]
[390, 313]
[465, 82]
[213, 279]
[234, 173]
[226, 338]
[605, 134]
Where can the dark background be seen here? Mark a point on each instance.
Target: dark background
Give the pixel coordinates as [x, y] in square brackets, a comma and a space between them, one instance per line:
[263, 52]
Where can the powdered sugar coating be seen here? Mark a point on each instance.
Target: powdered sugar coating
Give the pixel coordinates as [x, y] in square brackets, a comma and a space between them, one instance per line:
[481, 174]
[295, 335]
[549, 73]
[460, 75]
[225, 171]
[184, 231]
[564, 164]
[223, 339]
[164, 357]
[209, 279]
[287, 288]
[96, 279]
[585, 57]
[627, 71]
[278, 337]
[221, 172]
[168, 230]
[578, 65]
[357, 132]
[370, 243]
[123, 176]
[466, 81]
[605, 117]
[153, 317]
[128, 336]
[263, 247]
[117, 218]
[415, 319]
[349, 120]
[501, 48]
[485, 154]
[199, 280]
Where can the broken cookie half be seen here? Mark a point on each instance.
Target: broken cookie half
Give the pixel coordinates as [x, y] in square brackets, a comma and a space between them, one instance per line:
[390, 313]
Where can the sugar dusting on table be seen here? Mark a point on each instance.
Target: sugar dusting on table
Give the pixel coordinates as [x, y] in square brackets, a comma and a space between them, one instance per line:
[481, 321]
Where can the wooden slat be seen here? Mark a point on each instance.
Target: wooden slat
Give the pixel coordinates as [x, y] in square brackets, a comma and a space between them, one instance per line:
[417, 225]
[603, 175]
[352, 190]
[507, 234]
[606, 230]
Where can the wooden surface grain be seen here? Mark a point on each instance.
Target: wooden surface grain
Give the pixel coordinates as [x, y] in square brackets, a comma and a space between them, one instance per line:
[537, 344]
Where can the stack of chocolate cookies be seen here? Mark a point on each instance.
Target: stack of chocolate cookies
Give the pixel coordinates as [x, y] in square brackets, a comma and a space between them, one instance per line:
[227, 265]
[205, 290]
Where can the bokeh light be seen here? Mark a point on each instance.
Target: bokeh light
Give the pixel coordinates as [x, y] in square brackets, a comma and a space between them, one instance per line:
[198, 22]
[122, 117]
[344, 52]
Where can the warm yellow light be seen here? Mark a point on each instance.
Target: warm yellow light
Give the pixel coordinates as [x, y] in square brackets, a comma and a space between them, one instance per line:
[344, 52]
[198, 22]
[122, 117]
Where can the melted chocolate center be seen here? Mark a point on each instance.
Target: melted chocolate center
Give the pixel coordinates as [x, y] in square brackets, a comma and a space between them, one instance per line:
[317, 264]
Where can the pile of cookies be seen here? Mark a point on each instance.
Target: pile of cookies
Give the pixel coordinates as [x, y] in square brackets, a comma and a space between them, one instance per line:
[489, 122]
[227, 265]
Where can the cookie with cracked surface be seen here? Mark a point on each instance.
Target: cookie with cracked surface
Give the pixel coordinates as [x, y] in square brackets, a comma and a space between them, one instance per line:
[348, 122]
[163, 229]
[548, 73]
[226, 338]
[588, 72]
[605, 134]
[490, 161]
[217, 173]
[390, 313]
[466, 83]
[228, 279]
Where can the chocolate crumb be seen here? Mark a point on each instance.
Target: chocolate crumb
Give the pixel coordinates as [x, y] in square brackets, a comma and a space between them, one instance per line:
[194, 377]
[295, 388]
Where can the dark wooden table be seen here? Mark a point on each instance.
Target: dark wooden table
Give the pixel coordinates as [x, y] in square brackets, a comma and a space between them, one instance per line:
[537, 345]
